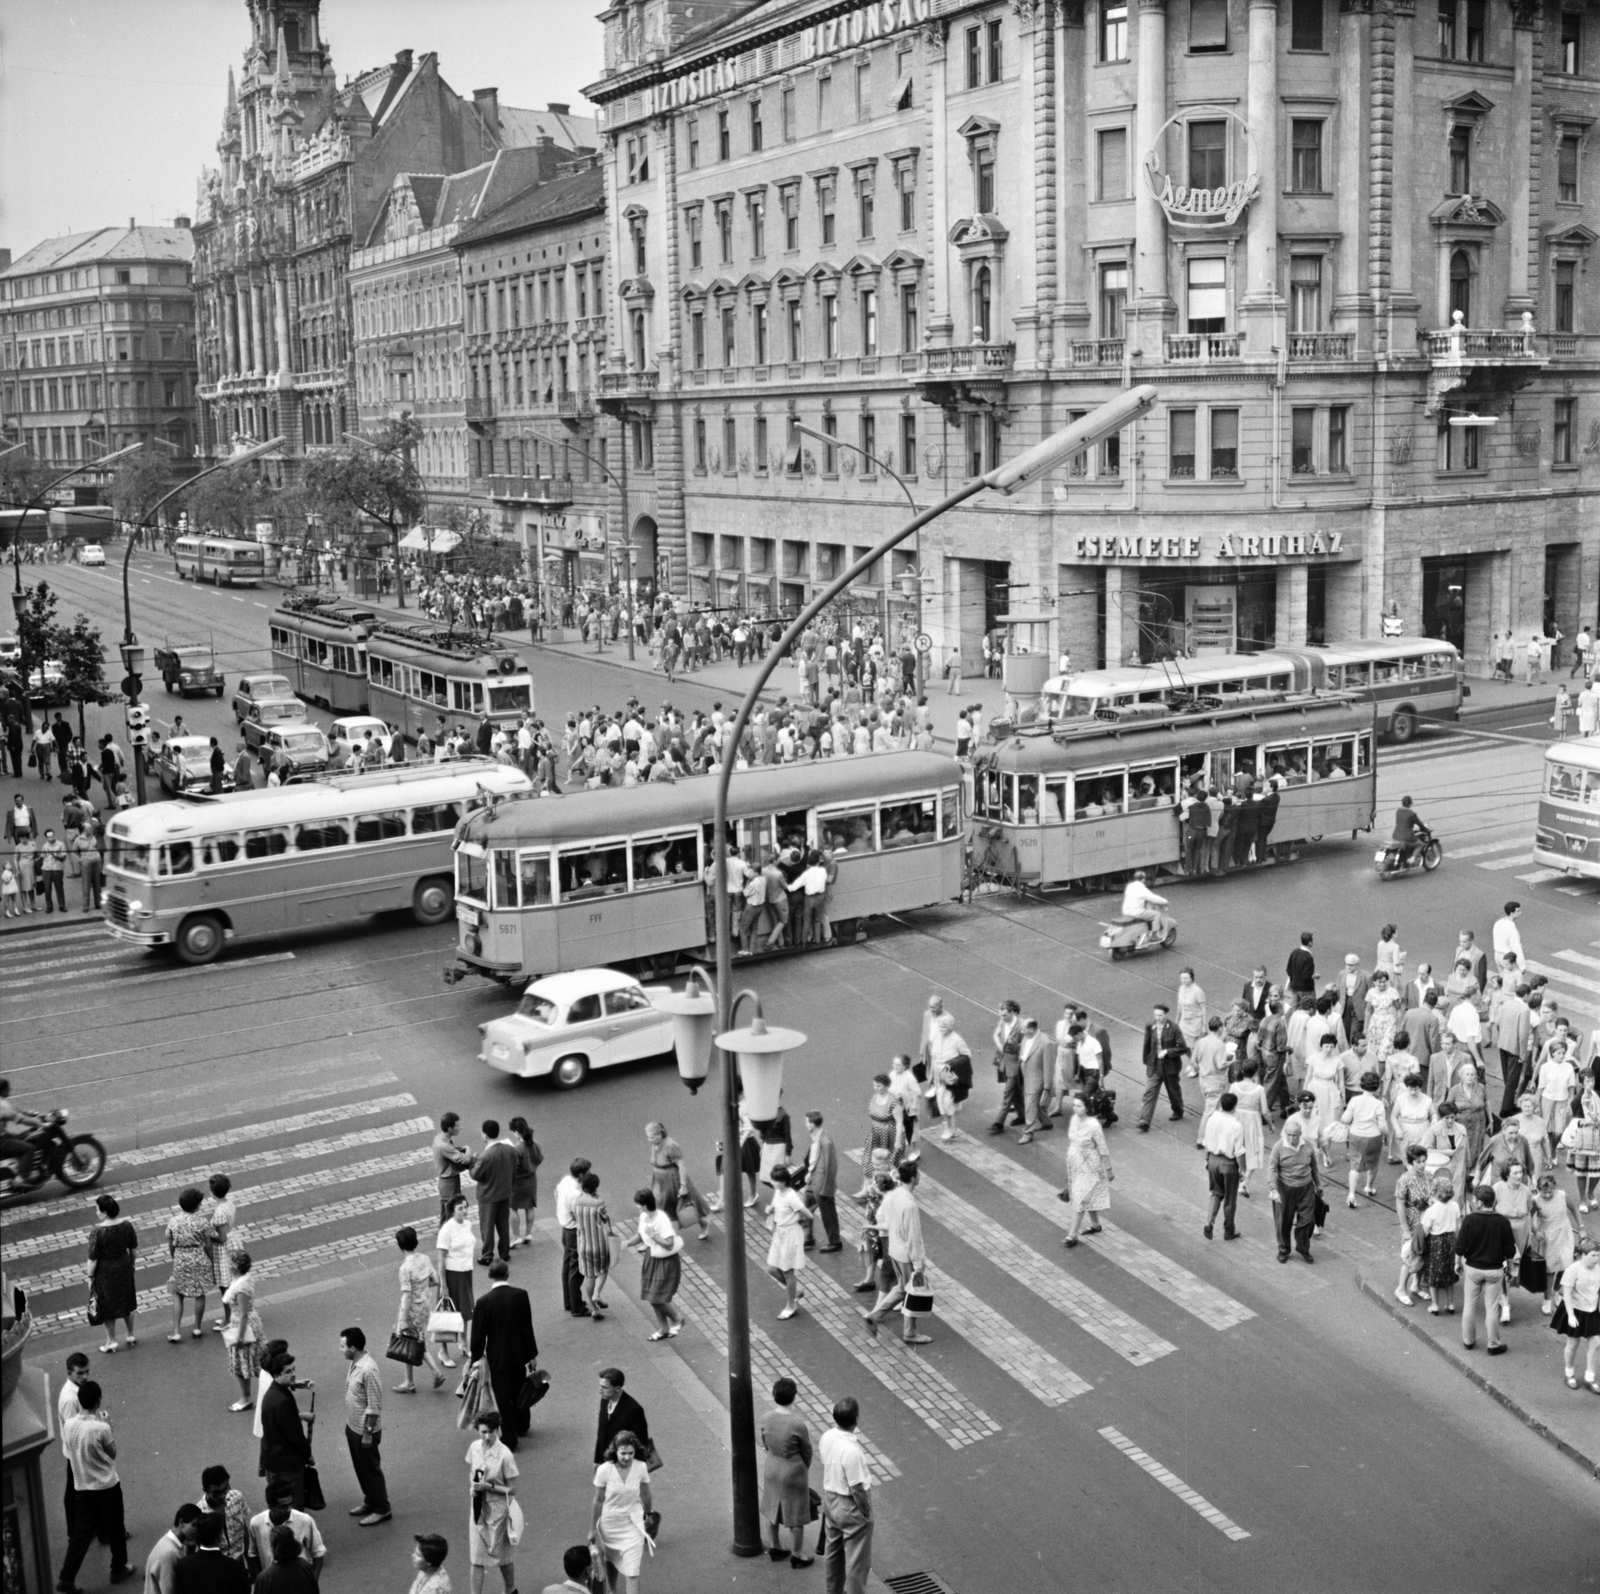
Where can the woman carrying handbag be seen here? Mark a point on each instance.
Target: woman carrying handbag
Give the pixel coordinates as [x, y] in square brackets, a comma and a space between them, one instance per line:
[419, 1290]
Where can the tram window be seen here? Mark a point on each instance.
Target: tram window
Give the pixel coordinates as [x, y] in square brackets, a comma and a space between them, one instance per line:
[1385, 670]
[793, 830]
[505, 877]
[1027, 799]
[1055, 801]
[757, 836]
[535, 871]
[1440, 664]
[1152, 786]
[1335, 677]
[989, 786]
[1099, 795]
[907, 824]
[596, 872]
[217, 850]
[177, 858]
[379, 827]
[1244, 763]
[461, 696]
[434, 817]
[324, 833]
[626, 1000]
[472, 876]
[664, 861]
[477, 697]
[1290, 761]
[950, 813]
[1191, 767]
[848, 832]
[1332, 760]
[509, 699]
[1229, 687]
[1363, 754]
[1279, 683]
[266, 843]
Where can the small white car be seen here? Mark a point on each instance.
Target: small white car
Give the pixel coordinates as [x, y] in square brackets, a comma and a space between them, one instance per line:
[184, 765]
[92, 554]
[567, 1024]
[351, 731]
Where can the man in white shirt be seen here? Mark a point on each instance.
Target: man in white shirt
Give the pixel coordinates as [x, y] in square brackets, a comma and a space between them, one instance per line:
[67, 1407]
[901, 1221]
[904, 1085]
[279, 1512]
[1508, 939]
[1140, 902]
[567, 1191]
[846, 1503]
[91, 1451]
[813, 882]
[1224, 1145]
[1210, 1061]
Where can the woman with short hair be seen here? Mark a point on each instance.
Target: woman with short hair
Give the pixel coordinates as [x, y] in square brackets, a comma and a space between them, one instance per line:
[786, 1255]
[594, 1243]
[188, 1237]
[457, 1248]
[494, 1475]
[419, 1293]
[785, 1474]
[242, 1332]
[113, 1292]
[659, 1243]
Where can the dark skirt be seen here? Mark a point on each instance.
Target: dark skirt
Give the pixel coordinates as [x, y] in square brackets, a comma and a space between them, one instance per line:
[1439, 1261]
[458, 1286]
[659, 1280]
[1585, 1325]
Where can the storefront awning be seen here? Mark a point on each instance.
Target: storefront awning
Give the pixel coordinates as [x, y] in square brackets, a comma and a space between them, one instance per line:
[431, 539]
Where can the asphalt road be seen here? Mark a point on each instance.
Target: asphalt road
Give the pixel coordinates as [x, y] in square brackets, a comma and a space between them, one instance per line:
[1149, 1411]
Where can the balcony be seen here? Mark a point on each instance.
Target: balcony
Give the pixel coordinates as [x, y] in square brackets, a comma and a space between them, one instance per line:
[968, 378]
[1202, 348]
[1320, 346]
[970, 359]
[479, 410]
[1474, 361]
[629, 381]
[574, 403]
[530, 489]
[1102, 351]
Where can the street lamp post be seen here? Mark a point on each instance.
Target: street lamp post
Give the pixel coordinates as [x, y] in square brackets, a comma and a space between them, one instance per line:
[1027, 467]
[38, 499]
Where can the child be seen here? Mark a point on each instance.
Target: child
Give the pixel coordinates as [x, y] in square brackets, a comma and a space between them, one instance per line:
[10, 897]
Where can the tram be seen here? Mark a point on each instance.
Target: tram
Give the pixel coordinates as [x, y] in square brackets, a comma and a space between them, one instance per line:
[1089, 802]
[546, 885]
[320, 643]
[420, 672]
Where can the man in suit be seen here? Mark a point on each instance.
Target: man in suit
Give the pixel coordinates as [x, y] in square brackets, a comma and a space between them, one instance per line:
[1513, 1035]
[1164, 1051]
[1255, 993]
[1008, 1065]
[619, 1413]
[493, 1170]
[1423, 1025]
[285, 1448]
[1030, 1063]
[1272, 1041]
[1419, 987]
[1301, 972]
[822, 1178]
[209, 1570]
[502, 1339]
[1352, 993]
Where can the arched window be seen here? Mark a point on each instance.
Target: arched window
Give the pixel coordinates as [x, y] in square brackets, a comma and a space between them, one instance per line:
[1461, 287]
[982, 305]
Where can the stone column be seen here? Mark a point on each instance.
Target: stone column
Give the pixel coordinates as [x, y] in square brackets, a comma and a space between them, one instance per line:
[1072, 212]
[1352, 303]
[258, 307]
[1122, 630]
[1046, 206]
[1402, 316]
[1525, 19]
[280, 325]
[1152, 305]
[1261, 304]
[230, 332]
[939, 325]
[1290, 625]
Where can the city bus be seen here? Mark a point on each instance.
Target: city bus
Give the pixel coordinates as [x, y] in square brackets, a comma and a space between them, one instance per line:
[1408, 678]
[1094, 801]
[320, 643]
[619, 875]
[1567, 836]
[194, 875]
[420, 673]
[223, 561]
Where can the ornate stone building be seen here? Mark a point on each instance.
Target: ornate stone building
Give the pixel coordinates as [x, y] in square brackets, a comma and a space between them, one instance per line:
[1351, 242]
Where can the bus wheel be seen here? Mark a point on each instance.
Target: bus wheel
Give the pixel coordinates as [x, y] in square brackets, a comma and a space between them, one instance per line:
[569, 1073]
[432, 901]
[199, 939]
[1403, 726]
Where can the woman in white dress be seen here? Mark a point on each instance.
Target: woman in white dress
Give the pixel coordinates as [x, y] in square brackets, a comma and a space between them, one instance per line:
[1413, 1114]
[494, 1473]
[1088, 1190]
[787, 1253]
[1191, 1010]
[1390, 957]
[621, 1500]
[1325, 1081]
[1250, 1102]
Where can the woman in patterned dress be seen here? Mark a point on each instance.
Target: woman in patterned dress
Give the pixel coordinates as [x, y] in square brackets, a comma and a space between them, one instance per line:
[188, 1240]
[1471, 1103]
[1088, 1190]
[242, 1332]
[886, 1127]
[1382, 1016]
[222, 1213]
[1438, 1226]
[112, 1290]
[595, 1230]
[1581, 1142]
[419, 1294]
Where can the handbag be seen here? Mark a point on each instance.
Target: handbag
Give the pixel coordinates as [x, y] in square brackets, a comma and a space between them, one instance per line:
[1532, 1273]
[405, 1347]
[315, 1499]
[652, 1525]
[445, 1322]
[652, 1458]
[515, 1521]
[534, 1388]
[813, 1505]
[918, 1300]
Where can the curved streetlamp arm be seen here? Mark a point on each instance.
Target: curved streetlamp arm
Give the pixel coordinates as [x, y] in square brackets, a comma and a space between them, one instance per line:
[49, 487]
[855, 448]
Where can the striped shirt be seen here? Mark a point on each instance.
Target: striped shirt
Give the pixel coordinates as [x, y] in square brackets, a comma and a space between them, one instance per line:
[363, 1395]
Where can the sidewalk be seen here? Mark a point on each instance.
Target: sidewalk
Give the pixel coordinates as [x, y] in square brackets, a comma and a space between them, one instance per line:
[1527, 1380]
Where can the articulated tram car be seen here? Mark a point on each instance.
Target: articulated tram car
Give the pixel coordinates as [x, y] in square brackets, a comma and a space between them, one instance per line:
[320, 643]
[419, 673]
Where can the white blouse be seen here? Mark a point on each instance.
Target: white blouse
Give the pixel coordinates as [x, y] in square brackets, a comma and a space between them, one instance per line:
[458, 1244]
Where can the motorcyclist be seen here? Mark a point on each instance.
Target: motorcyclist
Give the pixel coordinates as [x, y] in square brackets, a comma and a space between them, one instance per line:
[1409, 830]
[13, 1119]
[1140, 902]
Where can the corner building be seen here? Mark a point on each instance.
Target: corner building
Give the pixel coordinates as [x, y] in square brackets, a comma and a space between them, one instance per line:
[1324, 231]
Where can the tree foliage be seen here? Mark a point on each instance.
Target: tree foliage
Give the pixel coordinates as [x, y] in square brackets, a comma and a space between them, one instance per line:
[379, 481]
[232, 500]
[141, 481]
[23, 478]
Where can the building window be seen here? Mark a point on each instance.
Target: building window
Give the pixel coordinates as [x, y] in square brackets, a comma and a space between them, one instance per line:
[869, 444]
[1111, 163]
[1458, 447]
[700, 445]
[758, 333]
[1305, 155]
[991, 50]
[637, 320]
[1571, 43]
[1447, 29]
[758, 447]
[1305, 25]
[1208, 154]
[789, 198]
[1208, 26]
[1566, 417]
[869, 321]
[1113, 298]
[694, 142]
[644, 445]
[1460, 160]
[824, 102]
[908, 443]
[830, 326]
[797, 343]
[697, 339]
[1461, 288]
[786, 109]
[1302, 433]
[983, 170]
[982, 305]
[1339, 440]
[864, 205]
[909, 336]
[758, 226]
[724, 137]
[1224, 444]
[1180, 448]
[1113, 30]
[864, 90]
[1305, 293]
[730, 446]
[636, 231]
[983, 444]
[725, 232]
[755, 124]
[830, 454]
[906, 183]
[1208, 295]
[1565, 305]
[1476, 10]
[1567, 169]
[825, 198]
[692, 221]
[974, 58]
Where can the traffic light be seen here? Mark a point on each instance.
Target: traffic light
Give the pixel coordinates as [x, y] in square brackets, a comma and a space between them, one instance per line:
[138, 716]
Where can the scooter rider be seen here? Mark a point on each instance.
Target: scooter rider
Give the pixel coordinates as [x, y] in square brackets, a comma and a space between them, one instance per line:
[1140, 902]
[1409, 831]
[13, 1118]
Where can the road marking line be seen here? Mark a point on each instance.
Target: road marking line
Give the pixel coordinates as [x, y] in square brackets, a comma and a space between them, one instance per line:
[41, 938]
[323, 1116]
[103, 956]
[1550, 972]
[1508, 863]
[276, 1098]
[1091, 1311]
[1482, 849]
[1540, 876]
[1177, 1284]
[145, 979]
[1169, 1480]
[1579, 958]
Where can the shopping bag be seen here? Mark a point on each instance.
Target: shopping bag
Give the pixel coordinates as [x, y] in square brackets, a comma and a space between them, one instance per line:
[514, 1521]
[445, 1322]
[919, 1298]
[534, 1388]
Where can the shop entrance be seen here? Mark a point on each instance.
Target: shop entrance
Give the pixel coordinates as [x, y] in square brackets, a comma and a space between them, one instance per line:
[1562, 572]
[1219, 611]
[1444, 600]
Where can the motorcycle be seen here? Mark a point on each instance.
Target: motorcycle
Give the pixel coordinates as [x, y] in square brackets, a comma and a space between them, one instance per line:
[1126, 937]
[1424, 854]
[76, 1160]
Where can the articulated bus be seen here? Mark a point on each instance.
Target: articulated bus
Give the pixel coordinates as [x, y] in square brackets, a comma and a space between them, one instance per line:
[1090, 802]
[320, 643]
[421, 672]
[223, 561]
[194, 875]
[550, 885]
[1568, 833]
[1408, 678]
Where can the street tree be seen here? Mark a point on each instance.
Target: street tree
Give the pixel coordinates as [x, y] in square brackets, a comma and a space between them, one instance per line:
[141, 481]
[377, 480]
[83, 660]
[232, 500]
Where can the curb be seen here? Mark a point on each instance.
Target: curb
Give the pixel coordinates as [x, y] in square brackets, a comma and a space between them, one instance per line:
[52, 923]
[1589, 1463]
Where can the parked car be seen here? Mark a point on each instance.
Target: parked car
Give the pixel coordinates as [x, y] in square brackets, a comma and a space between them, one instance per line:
[92, 554]
[49, 684]
[567, 1024]
[184, 765]
[266, 712]
[300, 747]
[350, 731]
[252, 688]
[10, 648]
[189, 668]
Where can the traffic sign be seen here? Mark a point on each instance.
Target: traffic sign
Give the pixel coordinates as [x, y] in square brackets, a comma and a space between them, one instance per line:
[130, 687]
[924, 642]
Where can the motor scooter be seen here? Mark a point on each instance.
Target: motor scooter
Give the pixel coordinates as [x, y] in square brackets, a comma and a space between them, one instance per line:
[76, 1160]
[1125, 937]
[1424, 855]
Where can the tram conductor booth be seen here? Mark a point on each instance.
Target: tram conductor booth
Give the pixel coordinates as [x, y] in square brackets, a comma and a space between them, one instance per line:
[1140, 902]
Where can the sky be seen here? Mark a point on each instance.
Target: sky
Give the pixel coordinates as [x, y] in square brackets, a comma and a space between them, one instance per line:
[110, 108]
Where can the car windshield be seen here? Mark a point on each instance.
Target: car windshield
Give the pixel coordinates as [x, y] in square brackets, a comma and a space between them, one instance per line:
[194, 655]
[281, 711]
[271, 686]
[539, 1008]
[303, 741]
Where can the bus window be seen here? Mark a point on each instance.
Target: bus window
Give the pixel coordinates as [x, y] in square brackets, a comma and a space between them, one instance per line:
[322, 834]
[847, 832]
[472, 876]
[509, 699]
[1355, 676]
[1152, 786]
[217, 850]
[435, 817]
[593, 872]
[379, 827]
[177, 858]
[1279, 683]
[505, 877]
[1363, 754]
[1099, 795]
[1332, 760]
[1566, 783]
[1227, 687]
[1335, 677]
[988, 793]
[950, 813]
[1290, 761]
[1439, 664]
[535, 871]
[1384, 671]
[793, 829]
[266, 843]
[664, 861]
[1056, 791]
[906, 824]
